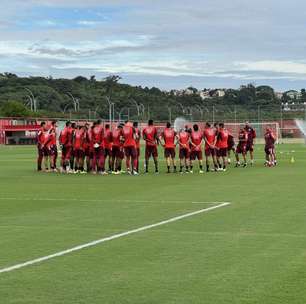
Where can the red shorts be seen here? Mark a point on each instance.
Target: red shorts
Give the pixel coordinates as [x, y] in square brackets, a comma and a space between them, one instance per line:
[196, 155]
[184, 153]
[117, 152]
[108, 152]
[170, 152]
[250, 147]
[151, 151]
[210, 152]
[222, 152]
[130, 152]
[78, 153]
[241, 149]
[66, 153]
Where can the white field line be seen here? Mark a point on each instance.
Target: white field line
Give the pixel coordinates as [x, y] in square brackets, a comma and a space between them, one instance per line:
[100, 201]
[109, 238]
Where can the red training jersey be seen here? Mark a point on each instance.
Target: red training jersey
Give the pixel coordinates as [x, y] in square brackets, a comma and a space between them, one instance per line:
[117, 133]
[222, 139]
[108, 139]
[210, 137]
[97, 135]
[184, 140]
[196, 140]
[128, 133]
[149, 134]
[169, 137]
[79, 138]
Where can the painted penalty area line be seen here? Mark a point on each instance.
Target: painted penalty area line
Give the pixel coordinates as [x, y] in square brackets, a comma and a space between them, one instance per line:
[109, 238]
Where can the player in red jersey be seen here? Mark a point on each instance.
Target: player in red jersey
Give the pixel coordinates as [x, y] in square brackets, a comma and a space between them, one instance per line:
[107, 143]
[137, 140]
[117, 149]
[231, 147]
[88, 150]
[65, 140]
[210, 145]
[251, 137]
[129, 137]
[270, 139]
[150, 136]
[242, 147]
[196, 139]
[73, 129]
[184, 149]
[41, 150]
[221, 144]
[169, 135]
[51, 146]
[78, 149]
[98, 164]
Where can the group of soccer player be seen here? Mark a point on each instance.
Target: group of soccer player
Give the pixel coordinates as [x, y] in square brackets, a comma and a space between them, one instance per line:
[94, 148]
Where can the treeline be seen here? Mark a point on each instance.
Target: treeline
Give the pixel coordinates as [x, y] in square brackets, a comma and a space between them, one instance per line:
[91, 98]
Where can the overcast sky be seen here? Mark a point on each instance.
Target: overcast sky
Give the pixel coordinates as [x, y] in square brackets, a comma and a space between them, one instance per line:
[164, 43]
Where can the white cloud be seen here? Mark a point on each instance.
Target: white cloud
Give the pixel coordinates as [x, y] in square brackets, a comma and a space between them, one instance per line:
[275, 66]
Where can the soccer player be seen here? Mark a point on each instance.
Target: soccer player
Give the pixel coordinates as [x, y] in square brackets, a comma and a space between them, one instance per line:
[52, 147]
[184, 149]
[87, 147]
[137, 140]
[242, 147]
[98, 165]
[210, 148]
[196, 139]
[250, 143]
[221, 144]
[65, 140]
[169, 135]
[230, 147]
[269, 147]
[78, 149]
[73, 129]
[129, 143]
[150, 136]
[117, 149]
[107, 143]
[40, 144]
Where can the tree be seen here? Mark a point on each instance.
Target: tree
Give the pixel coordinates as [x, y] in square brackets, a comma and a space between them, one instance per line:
[14, 109]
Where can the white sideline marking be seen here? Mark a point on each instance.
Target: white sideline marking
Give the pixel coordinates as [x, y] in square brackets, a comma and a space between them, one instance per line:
[98, 201]
[109, 238]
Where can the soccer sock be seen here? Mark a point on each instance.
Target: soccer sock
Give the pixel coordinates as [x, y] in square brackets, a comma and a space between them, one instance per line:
[191, 167]
[187, 168]
[168, 167]
[201, 167]
[181, 168]
[207, 167]
[174, 168]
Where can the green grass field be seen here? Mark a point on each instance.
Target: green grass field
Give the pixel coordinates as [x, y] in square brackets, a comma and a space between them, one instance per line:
[252, 251]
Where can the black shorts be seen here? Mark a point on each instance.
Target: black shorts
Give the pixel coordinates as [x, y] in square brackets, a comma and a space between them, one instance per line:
[108, 152]
[53, 150]
[250, 147]
[79, 153]
[241, 149]
[210, 152]
[269, 150]
[130, 151]
[184, 153]
[222, 152]
[196, 155]
[151, 151]
[117, 152]
[169, 152]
